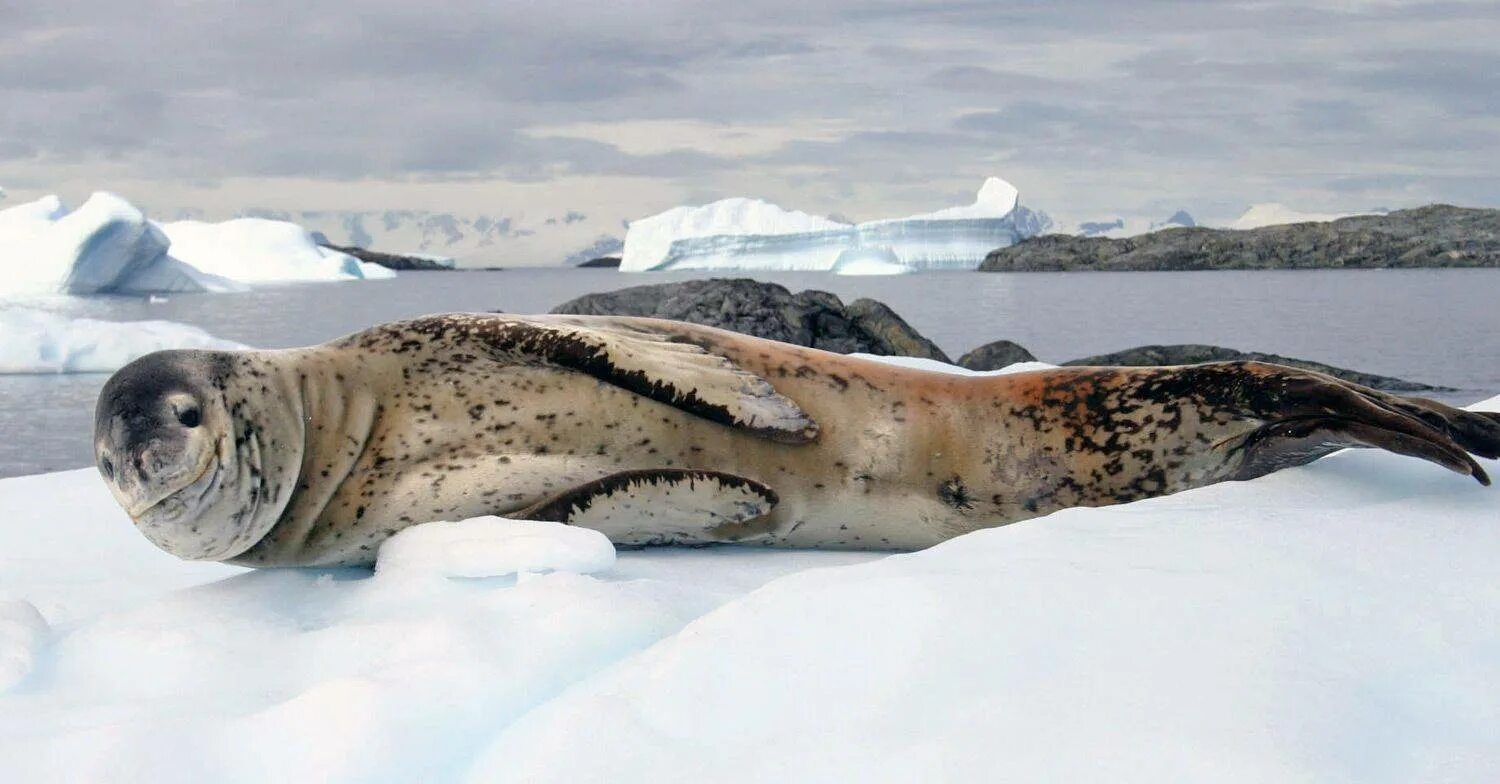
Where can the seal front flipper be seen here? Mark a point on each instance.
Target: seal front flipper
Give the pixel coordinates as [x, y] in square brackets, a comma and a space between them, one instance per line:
[653, 363]
[662, 506]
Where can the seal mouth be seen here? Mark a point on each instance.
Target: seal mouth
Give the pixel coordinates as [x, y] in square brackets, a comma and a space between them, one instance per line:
[210, 464]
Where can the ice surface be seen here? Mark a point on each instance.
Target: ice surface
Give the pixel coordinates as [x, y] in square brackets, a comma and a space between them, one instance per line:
[35, 341]
[494, 547]
[1336, 622]
[752, 234]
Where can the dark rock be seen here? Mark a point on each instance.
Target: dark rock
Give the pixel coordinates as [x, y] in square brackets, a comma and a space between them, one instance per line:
[993, 356]
[1435, 236]
[602, 261]
[816, 319]
[1191, 354]
[391, 260]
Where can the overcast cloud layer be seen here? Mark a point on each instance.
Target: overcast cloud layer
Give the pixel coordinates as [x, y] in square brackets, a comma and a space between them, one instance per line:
[615, 109]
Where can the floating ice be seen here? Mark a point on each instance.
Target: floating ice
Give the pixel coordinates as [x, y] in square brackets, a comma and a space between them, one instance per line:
[256, 250]
[34, 341]
[752, 234]
[107, 246]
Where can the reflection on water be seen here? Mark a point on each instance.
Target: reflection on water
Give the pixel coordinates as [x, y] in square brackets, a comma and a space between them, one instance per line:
[1437, 326]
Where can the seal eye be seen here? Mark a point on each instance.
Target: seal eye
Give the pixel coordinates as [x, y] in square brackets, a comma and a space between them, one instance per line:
[189, 417]
[107, 468]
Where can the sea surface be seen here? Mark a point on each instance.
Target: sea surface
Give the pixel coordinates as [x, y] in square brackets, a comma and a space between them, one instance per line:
[1440, 326]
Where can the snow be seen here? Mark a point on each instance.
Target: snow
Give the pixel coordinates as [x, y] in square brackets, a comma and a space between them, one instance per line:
[1122, 227]
[1272, 214]
[749, 234]
[1336, 622]
[108, 246]
[36, 341]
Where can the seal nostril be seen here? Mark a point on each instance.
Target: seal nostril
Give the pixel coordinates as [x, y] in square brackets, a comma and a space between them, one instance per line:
[107, 467]
[189, 417]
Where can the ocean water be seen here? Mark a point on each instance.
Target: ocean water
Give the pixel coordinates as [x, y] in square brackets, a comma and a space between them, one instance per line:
[1438, 326]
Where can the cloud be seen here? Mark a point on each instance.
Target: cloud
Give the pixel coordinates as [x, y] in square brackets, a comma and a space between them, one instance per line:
[863, 108]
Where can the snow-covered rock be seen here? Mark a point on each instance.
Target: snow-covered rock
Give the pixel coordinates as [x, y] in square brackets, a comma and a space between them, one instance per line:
[256, 250]
[1132, 227]
[1335, 622]
[35, 341]
[1272, 214]
[755, 235]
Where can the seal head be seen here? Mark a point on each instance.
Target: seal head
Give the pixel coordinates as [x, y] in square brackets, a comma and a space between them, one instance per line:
[165, 441]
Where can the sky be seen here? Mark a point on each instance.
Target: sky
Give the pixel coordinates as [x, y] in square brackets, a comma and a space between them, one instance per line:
[616, 110]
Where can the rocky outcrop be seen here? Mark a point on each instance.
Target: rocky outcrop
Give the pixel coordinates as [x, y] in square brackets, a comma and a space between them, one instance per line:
[393, 260]
[1191, 354]
[819, 319]
[993, 356]
[1434, 236]
[602, 262]
[816, 319]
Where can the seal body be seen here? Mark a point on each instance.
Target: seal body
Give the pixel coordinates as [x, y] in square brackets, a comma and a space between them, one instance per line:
[667, 433]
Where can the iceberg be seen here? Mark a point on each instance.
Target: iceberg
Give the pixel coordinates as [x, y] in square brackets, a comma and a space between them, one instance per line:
[749, 234]
[108, 246]
[34, 341]
[258, 250]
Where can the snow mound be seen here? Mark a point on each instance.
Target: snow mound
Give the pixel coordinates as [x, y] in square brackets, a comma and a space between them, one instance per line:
[755, 235]
[107, 246]
[935, 366]
[1272, 214]
[493, 547]
[256, 250]
[22, 633]
[35, 341]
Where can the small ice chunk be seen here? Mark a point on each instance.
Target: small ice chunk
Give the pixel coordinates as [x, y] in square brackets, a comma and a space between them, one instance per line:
[36, 341]
[22, 632]
[493, 546]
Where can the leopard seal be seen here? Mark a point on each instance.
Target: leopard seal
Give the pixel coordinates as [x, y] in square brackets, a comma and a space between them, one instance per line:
[660, 432]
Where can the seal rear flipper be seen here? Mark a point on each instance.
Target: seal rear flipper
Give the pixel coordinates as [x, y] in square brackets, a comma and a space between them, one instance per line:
[1298, 441]
[649, 361]
[662, 506]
